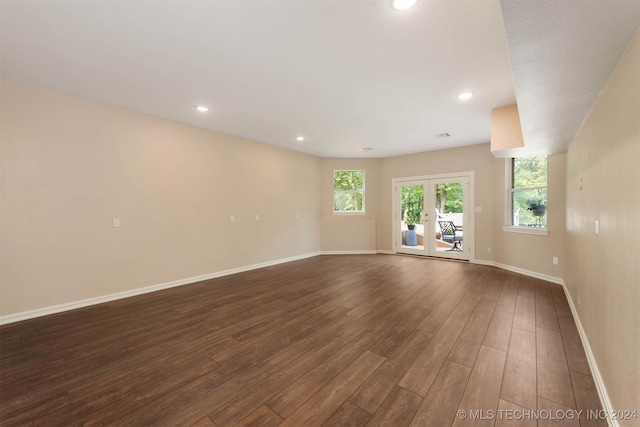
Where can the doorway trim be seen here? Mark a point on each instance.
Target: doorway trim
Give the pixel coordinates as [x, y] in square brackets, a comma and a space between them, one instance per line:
[470, 216]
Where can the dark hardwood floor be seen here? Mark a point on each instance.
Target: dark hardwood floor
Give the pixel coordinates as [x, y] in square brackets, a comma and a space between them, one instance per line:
[330, 340]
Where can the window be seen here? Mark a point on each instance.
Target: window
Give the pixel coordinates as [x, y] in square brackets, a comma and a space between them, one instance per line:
[528, 193]
[348, 191]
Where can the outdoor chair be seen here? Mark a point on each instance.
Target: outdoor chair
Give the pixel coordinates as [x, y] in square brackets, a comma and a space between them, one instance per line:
[451, 234]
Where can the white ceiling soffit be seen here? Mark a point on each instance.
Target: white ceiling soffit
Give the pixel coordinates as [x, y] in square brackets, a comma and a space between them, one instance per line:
[343, 74]
[562, 52]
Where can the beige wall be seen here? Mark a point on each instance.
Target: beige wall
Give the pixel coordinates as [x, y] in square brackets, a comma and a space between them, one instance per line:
[506, 131]
[350, 232]
[475, 158]
[532, 252]
[603, 272]
[70, 165]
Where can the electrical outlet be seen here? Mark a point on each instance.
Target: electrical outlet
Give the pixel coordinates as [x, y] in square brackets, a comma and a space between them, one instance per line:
[233, 218]
[555, 260]
[488, 249]
[116, 222]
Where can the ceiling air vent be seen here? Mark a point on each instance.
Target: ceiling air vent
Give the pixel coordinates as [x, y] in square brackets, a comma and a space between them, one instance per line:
[365, 149]
[442, 135]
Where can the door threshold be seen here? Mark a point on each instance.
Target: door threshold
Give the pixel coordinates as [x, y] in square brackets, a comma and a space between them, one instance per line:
[432, 257]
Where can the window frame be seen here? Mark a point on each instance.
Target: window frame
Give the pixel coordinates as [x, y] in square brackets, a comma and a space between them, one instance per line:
[509, 190]
[360, 212]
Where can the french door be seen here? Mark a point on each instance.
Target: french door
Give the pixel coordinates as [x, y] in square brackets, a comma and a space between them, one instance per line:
[432, 215]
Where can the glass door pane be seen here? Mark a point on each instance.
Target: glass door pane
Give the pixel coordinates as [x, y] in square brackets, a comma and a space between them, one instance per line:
[448, 198]
[411, 208]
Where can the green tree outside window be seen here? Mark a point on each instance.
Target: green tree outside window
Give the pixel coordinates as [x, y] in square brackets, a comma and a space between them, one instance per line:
[348, 191]
[449, 197]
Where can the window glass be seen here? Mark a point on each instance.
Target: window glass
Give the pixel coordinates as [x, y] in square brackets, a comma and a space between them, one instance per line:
[348, 191]
[528, 199]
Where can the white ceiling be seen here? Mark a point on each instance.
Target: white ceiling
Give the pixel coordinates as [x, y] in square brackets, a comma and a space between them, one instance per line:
[562, 53]
[344, 74]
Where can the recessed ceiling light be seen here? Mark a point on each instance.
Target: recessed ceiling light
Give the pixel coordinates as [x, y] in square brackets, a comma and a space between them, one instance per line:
[202, 108]
[465, 95]
[300, 138]
[403, 4]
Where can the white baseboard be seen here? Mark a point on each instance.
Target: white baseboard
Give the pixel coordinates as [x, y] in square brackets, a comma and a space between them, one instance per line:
[31, 314]
[529, 273]
[385, 252]
[356, 252]
[595, 372]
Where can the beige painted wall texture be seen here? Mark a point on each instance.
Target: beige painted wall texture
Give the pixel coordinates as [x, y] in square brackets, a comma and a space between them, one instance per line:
[603, 272]
[506, 131]
[69, 166]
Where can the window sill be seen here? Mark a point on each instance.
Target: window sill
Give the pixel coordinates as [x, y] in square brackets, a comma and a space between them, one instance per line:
[348, 213]
[526, 230]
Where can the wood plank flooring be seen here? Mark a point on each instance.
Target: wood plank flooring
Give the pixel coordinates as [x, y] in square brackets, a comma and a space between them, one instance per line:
[326, 341]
